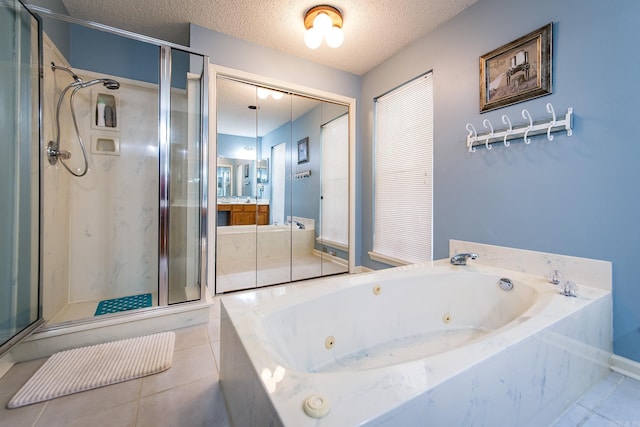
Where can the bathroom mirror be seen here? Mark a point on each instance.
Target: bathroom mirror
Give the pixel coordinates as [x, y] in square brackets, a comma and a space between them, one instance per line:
[277, 232]
[236, 178]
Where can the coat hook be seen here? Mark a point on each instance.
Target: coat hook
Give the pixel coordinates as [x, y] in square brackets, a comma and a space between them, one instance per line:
[526, 115]
[487, 124]
[472, 133]
[553, 121]
[506, 121]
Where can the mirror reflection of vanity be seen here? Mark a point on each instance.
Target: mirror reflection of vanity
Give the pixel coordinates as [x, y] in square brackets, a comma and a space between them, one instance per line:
[240, 187]
[280, 217]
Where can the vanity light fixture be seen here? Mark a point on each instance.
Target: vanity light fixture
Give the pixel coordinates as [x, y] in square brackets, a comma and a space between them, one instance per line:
[323, 22]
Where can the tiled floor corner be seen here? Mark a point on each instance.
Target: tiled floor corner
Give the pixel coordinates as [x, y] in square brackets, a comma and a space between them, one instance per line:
[613, 402]
[186, 395]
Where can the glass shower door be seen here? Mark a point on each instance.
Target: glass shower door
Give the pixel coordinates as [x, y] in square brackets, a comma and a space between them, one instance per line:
[185, 194]
[19, 174]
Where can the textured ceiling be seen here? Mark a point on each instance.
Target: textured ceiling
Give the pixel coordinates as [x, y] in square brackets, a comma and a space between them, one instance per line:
[374, 29]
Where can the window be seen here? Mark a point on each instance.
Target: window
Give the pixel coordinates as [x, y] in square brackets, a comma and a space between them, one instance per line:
[403, 174]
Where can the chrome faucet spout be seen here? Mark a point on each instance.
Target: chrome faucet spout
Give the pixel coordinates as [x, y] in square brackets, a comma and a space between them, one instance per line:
[461, 259]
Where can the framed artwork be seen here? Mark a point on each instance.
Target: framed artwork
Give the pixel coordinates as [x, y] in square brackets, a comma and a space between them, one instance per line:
[303, 150]
[105, 111]
[517, 71]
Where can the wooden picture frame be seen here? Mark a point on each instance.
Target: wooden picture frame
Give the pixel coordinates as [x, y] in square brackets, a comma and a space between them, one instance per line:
[518, 71]
[303, 150]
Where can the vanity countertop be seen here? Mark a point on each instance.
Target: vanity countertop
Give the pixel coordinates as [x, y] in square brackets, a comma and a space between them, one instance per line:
[243, 201]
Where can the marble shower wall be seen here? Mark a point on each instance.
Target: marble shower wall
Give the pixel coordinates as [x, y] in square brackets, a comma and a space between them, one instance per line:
[55, 192]
[113, 214]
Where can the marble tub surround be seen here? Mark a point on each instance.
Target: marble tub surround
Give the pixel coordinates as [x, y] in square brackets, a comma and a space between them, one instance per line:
[240, 242]
[582, 271]
[524, 374]
[244, 250]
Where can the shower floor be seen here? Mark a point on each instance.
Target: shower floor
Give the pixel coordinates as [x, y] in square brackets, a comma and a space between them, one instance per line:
[231, 276]
[86, 309]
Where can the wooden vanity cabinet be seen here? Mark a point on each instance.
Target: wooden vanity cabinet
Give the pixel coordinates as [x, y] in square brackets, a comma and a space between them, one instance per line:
[246, 214]
[263, 215]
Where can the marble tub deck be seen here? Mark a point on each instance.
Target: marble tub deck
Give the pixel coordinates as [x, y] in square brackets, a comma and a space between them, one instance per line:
[189, 394]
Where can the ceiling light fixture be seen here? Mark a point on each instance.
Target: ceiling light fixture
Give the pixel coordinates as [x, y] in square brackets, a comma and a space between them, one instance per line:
[323, 22]
[264, 93]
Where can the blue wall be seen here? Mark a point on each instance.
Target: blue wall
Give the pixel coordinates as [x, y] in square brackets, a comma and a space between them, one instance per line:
[230, 145]
[114, 55]
[575, 195]
[302, 196]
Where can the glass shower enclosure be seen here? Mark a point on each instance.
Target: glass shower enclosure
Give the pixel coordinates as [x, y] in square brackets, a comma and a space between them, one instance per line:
[19, 179]
[129, 234]
[132, 229]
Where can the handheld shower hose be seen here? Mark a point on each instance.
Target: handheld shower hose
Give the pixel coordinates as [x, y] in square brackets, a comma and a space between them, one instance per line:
[54, 153]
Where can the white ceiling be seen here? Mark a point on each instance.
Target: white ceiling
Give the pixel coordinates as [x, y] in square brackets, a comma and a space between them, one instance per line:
[374, 29]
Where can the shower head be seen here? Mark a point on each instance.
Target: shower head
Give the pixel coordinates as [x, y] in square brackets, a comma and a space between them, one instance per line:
[108, 83]
[111, 84]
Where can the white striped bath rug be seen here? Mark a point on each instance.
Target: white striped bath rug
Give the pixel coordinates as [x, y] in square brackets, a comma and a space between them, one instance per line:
[86, 368]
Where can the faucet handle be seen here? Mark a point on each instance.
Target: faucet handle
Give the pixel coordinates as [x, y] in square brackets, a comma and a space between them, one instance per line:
[555, 277]
[569, 289]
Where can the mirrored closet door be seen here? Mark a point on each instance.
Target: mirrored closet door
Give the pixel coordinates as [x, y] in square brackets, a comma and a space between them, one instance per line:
[282, 186]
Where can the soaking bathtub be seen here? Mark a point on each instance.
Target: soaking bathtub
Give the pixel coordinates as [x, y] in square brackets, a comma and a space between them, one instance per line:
[419, 345]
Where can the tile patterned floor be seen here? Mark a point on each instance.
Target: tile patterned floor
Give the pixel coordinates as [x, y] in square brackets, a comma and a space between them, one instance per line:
[188, 394]
[613, 402]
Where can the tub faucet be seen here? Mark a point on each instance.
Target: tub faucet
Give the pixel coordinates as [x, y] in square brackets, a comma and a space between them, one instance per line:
[461, 259]
[298, 225]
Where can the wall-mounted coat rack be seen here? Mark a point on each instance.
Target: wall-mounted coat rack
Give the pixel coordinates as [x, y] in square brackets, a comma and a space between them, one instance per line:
[302, 174]
[522, 132]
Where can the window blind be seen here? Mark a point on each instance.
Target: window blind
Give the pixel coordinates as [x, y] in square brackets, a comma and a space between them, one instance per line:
[403, 172]
[335, 182]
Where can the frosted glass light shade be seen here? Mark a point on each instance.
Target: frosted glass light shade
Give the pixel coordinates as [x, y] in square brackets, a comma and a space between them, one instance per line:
[262, 93]
[335, 37]
[313, 38]
[322, 23]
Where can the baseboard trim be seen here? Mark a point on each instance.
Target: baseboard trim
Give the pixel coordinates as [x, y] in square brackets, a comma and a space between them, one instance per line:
[626, 367]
